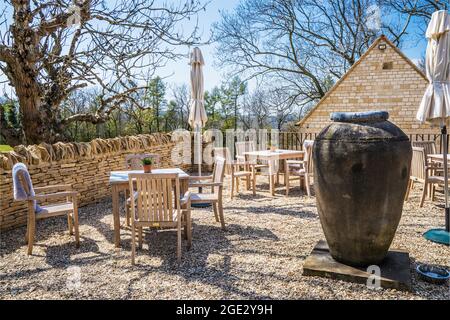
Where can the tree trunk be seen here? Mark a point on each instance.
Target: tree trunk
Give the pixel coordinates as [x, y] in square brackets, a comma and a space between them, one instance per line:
[34, 123]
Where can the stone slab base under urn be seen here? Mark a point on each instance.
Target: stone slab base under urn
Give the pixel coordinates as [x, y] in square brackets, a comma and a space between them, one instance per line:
[395, 272]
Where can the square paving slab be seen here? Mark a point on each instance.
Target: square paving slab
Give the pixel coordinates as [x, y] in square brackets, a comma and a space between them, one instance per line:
[395, 268]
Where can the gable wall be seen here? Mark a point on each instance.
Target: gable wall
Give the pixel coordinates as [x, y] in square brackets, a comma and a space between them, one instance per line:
[369, 87]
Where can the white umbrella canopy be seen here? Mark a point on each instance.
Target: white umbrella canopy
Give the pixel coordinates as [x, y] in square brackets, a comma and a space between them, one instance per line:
[435, 105]
[197, 113]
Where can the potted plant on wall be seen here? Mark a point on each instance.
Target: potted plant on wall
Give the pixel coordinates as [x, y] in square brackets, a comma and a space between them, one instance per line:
[148, 164]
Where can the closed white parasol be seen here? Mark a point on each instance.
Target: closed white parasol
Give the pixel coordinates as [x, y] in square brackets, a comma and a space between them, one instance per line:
[435, 106]
[197, 113]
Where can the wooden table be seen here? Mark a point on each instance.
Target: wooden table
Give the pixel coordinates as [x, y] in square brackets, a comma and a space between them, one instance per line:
[119, 182]
[438, 157]
[273, 157]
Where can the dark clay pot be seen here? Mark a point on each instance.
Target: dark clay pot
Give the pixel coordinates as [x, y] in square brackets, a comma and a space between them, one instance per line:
[361, 171]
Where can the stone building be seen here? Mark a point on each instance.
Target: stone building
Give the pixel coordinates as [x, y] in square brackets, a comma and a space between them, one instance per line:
[382, 79]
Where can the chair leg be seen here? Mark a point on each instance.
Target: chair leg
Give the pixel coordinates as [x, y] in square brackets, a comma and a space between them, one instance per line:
[253, 178]
[32, 228]
[408, 189]
[232, 188]
[189, 229]
[70, 224]
[216, 215]
[76, 224]
[127, 208]
[424, 194]
[286, 177]
[247, 183]
[433, 192]
[133, 244]
[430, 190]
[179, 243]
[308, 190]
[27, 232]
[237, 184]
[140, 237]
[222, 219]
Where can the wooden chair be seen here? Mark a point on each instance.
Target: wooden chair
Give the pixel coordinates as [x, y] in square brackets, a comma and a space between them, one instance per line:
[421, 172]
[248, 146]
[233, 169]
[254, 165]
[429, 148]
[300, 169]
[157, 204]
[134, 162]
[215, 181]
[68, 207]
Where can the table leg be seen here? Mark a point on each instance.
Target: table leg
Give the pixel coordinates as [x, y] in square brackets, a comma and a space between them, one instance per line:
[116, 215]
[184, 186]
[271, 178]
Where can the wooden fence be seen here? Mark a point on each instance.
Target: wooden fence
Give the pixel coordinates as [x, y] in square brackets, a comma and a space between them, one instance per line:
[294, 140]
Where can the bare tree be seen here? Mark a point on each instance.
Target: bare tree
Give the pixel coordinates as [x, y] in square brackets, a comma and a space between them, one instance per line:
[300, 43]
[419, 10]
[181, 98]
[282, 106]
[49, 49]
[80, 102]
[255, 110]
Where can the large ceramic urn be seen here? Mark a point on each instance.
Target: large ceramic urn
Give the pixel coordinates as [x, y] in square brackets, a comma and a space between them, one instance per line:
[361, 172]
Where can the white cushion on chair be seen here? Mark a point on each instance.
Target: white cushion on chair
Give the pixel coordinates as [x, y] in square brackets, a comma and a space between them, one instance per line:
[299, 172]
[55, 209]
[129, 199]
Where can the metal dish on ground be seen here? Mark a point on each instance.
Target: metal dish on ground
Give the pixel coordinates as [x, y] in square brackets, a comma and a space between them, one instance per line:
[433, 274]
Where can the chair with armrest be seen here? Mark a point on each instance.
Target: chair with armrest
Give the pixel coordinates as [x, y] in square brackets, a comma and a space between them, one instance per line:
[300, 169]
[254, 165]
[134, 162]
[233, 169]
[157, 204]
[215, 181]
[423, 172]
[51, 194]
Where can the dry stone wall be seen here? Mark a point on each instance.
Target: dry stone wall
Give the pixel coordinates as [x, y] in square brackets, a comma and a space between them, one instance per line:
[86, 166]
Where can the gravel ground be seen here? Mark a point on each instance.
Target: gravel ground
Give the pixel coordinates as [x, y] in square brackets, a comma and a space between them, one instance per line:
[260, 256]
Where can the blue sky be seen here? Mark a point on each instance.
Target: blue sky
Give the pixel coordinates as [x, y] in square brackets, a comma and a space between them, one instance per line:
[178, 72]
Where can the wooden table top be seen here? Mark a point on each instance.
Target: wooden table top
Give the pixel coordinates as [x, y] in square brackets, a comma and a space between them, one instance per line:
[438, 156]
[278, 153]
[122, 176]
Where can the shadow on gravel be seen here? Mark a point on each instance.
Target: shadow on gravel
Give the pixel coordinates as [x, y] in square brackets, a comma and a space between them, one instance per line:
[194, 265]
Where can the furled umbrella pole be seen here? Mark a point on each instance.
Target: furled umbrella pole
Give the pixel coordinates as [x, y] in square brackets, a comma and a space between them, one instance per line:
[197, 113]
[435, 106]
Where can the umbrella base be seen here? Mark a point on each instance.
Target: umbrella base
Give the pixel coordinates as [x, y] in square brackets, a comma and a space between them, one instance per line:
[438, 235]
